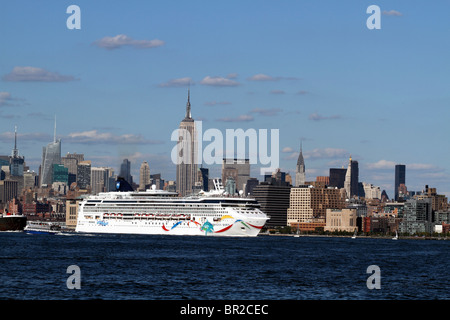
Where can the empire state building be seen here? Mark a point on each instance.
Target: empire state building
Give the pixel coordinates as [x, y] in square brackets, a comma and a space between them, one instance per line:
[187, 164]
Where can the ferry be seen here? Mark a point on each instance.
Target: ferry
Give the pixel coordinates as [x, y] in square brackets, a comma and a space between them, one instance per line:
[160, 212]
[42, 227]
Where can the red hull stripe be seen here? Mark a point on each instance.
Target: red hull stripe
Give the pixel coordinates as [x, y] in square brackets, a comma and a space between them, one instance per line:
[224, 229]
[255, 226]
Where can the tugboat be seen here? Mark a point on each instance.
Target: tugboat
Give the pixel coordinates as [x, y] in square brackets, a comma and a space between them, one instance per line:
[12, 222]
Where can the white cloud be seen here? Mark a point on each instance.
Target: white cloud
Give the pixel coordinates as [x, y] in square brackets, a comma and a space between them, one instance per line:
[180, 82]
[267, 112]
[381, 164]
[8, 137]
[219, 82]
[35, 74]
[265, 77]
[214, 103]
[261, 77]
[122, 40]
[325, 153]
[421, 166]
[241, 118]
[5, 98]
[386, 164]
[287, 149]
[392, 13]
[94, 137]
[318, 117]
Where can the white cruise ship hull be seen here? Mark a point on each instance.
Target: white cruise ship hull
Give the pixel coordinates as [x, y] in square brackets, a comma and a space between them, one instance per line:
[161, 213]
[231, 228]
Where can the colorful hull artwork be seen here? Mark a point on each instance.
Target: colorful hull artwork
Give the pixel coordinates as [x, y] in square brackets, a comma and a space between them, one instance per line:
[208, 227]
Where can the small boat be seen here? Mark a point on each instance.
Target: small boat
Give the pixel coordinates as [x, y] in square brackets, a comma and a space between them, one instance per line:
[298, 231]
[42, 227]
[354, 235]
[396, 236]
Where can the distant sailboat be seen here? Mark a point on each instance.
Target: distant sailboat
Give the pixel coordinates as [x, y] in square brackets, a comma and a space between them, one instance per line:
[396, 236]
[354, 235]
[298, 231]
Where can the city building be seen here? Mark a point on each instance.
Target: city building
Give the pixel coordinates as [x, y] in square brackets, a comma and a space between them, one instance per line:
[337, 177]
[187, 163]
[394, 208]
[323, 180]
[230, 186]
[72, 212]
[51, 154]
[400, 178]
[277, 178]
[29, 179]
[238, 169]
[307, 206]
[70, 161]
[8, 191]
[417, 217]
[203, 178]
[381, 224]
[84, 174]
[125, 171]
[60, 173]
[438, 201]
[340, 220]
[144, 176]
[157, 181]
[16, 161]
[371, 191]
[300, 176]
[101, 179]
[274, 201]
[351, 179]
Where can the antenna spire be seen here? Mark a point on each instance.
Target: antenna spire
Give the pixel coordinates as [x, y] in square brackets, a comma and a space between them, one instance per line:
[15, 152]
[188, 104]
[15, 137]
[54, 133]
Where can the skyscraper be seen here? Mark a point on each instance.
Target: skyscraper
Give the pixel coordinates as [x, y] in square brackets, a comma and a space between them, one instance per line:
[351, 179]
[100, 179]
[144, 176]
[16, 161]
[300, 170]
[51, 154]
[187, 163]
[125, 171]
[400, 175]
[84, 174]
[337, 177]
[238, 169]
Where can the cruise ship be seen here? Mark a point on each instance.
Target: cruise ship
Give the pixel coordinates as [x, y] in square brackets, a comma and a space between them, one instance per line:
[165, 213]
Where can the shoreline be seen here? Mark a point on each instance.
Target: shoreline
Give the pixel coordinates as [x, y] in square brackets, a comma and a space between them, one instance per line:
[357, 237]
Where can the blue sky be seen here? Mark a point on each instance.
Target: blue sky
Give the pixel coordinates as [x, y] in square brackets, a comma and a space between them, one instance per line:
[312, 69]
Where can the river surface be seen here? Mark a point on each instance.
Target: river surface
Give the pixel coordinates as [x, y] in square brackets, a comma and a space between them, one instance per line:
[136, 267]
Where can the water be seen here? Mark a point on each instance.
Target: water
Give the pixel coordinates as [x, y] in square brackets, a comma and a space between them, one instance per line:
[130, 267]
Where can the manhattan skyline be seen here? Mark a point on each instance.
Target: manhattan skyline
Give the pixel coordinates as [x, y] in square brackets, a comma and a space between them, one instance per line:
[118, 85]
